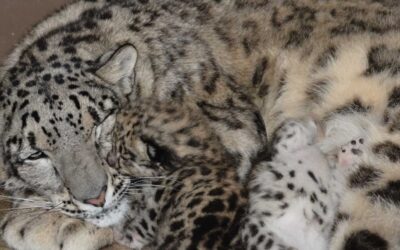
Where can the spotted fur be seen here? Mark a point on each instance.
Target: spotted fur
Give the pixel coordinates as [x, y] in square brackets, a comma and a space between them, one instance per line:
[185, 192]
[62, 86]
[35, 229]
[333, 60]
[296, 192]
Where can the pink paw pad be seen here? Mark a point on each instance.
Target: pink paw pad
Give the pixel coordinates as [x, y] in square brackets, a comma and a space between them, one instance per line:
[350, 154]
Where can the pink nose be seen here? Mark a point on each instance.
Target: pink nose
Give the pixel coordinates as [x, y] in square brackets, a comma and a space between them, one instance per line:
[99, 201]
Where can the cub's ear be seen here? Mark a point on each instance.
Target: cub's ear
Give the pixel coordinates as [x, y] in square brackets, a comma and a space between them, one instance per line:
[119, 69]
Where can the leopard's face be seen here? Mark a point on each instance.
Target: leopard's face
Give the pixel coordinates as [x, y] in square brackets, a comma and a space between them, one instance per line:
[175, 158]
[55, 136]
[154, 138]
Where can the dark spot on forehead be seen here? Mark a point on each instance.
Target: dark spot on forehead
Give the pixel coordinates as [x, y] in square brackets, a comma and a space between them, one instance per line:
[59, 79]
[75, 100]
[47, 133]
[24, 104]
[15, 82]
[73, 86]
[36, 116]
[70, 50]
[52, 58]
[24, 118]
[46, 77]
[30, 83]
[22, 93]
[72, 79]
[14, 107]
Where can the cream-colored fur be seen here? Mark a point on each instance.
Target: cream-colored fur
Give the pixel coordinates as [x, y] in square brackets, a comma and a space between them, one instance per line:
[51, 230]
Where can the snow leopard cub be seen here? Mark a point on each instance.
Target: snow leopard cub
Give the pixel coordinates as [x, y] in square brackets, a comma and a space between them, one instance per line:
[294, 194]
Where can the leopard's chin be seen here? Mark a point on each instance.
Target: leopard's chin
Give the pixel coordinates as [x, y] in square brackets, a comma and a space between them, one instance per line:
[111, 215]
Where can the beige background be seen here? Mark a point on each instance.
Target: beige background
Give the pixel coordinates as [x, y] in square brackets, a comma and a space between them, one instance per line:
[16, 18]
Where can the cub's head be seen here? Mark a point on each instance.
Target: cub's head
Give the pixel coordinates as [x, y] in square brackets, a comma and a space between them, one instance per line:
[57, 113]
[153, 138]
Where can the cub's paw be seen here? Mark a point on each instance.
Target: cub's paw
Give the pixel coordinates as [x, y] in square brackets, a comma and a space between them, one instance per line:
[294, 135]
[350, 154]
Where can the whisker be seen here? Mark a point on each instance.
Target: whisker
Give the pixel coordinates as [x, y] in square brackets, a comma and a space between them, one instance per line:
[149, 185]
[133, 188]
[126, 191]
[54, 209]
[145, 183]
[20, 208]
[21, 199]
[147, 177]
[27, 202]
[132, 194]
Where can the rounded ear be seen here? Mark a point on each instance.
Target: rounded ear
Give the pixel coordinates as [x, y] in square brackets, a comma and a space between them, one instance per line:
[119, 69]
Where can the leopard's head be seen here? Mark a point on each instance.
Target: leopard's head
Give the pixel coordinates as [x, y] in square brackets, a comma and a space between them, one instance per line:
[56, 119]
[154, 138]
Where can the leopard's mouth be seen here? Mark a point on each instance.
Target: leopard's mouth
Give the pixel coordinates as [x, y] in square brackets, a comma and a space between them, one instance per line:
[113, 210]
[109, 216]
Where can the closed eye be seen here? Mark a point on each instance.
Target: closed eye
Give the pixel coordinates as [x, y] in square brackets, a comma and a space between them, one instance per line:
[36, 156]
[160, 154]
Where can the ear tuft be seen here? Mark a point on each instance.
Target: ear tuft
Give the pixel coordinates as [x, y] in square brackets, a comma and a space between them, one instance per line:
[119, 69]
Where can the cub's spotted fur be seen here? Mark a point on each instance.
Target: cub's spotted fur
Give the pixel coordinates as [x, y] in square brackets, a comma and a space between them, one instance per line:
[185, 192]
[294, 196]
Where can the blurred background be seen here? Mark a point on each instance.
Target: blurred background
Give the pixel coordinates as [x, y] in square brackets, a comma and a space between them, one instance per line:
[18, 16]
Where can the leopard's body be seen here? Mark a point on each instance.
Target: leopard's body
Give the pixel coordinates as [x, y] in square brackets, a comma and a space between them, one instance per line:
[335, 60]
